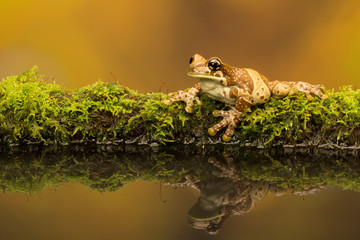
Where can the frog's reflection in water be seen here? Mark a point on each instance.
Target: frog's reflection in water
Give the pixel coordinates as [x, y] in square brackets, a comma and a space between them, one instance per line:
[229, 184]
[229, 194]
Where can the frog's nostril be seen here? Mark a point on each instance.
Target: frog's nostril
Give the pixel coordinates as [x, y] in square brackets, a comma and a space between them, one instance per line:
[191, 60]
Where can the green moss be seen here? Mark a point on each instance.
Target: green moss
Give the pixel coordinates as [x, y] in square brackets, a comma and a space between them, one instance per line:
[33, 111]
[29, 108]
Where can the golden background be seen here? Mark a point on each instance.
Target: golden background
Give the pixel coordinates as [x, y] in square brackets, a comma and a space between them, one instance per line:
[143, 44]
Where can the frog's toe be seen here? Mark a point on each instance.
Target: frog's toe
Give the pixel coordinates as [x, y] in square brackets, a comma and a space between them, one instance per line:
[226, 138]
[167, 102]
[220, 113]
[189, 109]
[309, 96]
[198, 101]
[212, 159]
[320, 92]
[291, 92]
[212, 131]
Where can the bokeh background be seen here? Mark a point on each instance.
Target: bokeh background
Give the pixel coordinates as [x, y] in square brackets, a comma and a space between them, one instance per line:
[142, 44]
[146, 45]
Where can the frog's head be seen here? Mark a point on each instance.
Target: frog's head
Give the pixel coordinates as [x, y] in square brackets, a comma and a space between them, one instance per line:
[212, 69]
[211, 227]
[207, 214]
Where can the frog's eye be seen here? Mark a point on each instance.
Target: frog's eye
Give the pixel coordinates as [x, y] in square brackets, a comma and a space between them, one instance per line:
[213, 228]
[214, 64]
[191, 60]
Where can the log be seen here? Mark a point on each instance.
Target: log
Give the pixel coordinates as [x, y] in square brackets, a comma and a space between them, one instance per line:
[33, 111]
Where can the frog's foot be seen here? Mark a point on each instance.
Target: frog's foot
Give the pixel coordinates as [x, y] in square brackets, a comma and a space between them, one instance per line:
[189, 97]
[231, 119]
[277, 191]
[308, 89]
[228, 170]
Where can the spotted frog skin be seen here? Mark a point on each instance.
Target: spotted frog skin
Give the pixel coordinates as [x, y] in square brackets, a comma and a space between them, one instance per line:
[239, 88]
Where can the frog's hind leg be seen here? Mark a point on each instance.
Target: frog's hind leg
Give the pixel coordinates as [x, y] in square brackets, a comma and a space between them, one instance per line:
[231, 118]
[280, 89]
[309, 89]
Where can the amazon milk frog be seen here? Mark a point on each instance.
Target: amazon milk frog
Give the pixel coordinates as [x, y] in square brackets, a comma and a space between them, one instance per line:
[240, 88]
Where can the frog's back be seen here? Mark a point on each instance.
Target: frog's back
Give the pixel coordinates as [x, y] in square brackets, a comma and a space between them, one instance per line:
[255, 83]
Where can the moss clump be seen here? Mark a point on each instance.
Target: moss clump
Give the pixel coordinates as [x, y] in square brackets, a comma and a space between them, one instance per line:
[296, 120]
[29, 108]
[33, 111]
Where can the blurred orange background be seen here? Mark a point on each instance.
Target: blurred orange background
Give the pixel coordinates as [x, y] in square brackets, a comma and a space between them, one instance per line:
[142, 44]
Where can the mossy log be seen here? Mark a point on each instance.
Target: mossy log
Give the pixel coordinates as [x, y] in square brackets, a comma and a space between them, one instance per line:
[35, 112]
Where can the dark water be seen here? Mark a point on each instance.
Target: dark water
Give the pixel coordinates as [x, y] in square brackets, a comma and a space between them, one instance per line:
[128, 192]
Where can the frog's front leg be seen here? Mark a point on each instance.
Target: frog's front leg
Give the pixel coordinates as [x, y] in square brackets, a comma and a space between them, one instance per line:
[187, 96]
[231, 117]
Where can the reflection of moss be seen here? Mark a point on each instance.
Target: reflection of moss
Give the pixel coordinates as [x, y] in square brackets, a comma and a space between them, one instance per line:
[304, 169]
[28, 172]
[31, 171]
[32, 111]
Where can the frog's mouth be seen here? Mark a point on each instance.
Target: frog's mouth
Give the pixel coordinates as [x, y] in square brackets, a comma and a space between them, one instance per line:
[217, 76]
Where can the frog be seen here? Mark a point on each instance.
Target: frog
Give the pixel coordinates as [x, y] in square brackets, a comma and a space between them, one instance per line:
[239, 88]
[230, 193]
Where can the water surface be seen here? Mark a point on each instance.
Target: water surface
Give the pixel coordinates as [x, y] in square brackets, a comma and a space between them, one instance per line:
[125, 192]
